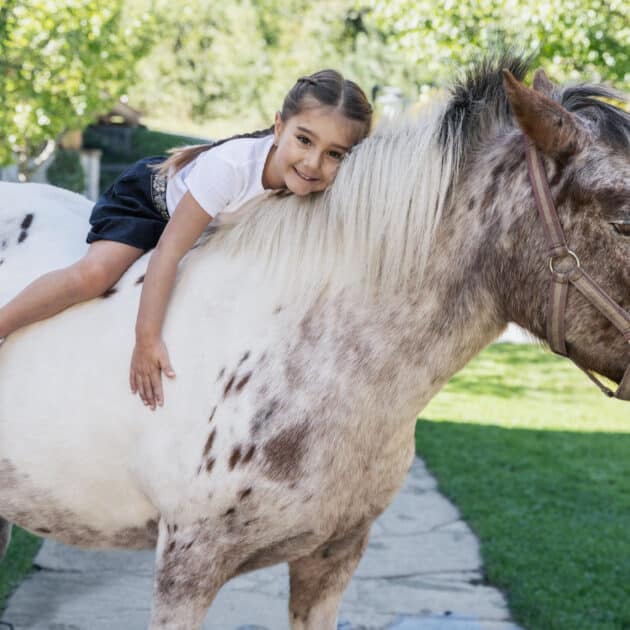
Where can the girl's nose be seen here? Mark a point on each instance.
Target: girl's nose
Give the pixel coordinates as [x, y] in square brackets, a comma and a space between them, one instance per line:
[313, 160]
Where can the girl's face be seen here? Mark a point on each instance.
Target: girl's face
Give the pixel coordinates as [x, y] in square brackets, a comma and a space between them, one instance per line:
[309, 149]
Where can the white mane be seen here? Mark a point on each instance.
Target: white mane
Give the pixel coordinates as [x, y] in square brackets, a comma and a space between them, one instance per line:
[373, 226]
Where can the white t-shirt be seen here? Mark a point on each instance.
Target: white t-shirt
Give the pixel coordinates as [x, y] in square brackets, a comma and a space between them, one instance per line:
[222, 179]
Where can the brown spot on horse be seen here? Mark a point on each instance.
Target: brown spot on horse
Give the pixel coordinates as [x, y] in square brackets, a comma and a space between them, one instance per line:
[26, 222]
[209, 442]
[249, 454]
[228, 385]
[109, 292]
[243, 494]
[263, 415]
[284, 452]
[243, 382]
[234, 457]
[244, 358]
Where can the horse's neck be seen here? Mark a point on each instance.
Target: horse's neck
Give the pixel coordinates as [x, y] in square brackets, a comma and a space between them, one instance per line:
[497, 211]
[475, 268]
[408, 346]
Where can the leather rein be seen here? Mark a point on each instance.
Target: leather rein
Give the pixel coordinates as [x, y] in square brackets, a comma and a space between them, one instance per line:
[565, 268]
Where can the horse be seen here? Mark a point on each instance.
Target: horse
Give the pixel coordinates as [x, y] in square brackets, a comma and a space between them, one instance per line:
[307, 335]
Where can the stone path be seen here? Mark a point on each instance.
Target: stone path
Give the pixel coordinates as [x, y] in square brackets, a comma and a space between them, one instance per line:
[422, 571]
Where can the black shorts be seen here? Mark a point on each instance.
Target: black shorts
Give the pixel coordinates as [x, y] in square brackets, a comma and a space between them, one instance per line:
[133, 209]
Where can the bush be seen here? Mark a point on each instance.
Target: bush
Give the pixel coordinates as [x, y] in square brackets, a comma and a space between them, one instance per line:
[66, 171]
[122, 146]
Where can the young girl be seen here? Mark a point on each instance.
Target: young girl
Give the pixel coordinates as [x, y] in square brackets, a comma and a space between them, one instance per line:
[167, 203]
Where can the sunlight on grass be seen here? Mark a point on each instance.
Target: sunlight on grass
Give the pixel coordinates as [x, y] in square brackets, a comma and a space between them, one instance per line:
[526, 386]
[537, 460]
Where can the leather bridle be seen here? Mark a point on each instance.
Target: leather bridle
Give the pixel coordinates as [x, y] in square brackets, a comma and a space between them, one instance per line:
[565, 268]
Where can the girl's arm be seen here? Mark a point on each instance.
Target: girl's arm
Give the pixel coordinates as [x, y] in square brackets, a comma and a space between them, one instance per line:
[150, 357]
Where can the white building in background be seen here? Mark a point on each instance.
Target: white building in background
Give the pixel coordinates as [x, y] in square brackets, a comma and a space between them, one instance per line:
[516, 334]
[390, 101]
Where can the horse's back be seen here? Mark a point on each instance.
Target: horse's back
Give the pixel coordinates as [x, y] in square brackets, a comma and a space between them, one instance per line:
[74, 439]
[41, 228]
[52, 382]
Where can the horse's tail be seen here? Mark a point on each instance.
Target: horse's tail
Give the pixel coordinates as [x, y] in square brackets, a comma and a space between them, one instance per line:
[5, 536]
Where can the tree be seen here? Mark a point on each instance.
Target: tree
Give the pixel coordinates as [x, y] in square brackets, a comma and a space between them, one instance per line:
[61, 61]
[571, 39]
[236, 59]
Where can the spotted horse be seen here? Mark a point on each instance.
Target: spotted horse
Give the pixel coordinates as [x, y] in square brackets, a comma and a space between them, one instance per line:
[306, 337]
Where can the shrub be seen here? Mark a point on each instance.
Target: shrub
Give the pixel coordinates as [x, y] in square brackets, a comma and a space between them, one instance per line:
[66, 171]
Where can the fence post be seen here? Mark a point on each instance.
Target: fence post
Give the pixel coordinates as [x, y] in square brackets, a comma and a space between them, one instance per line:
[91, 163]
[9, 173]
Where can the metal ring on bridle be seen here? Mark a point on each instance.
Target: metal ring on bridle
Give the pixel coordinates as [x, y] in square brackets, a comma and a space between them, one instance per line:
[562, 273]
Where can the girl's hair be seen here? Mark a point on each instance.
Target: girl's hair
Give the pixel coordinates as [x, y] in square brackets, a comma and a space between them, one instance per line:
[324, 88]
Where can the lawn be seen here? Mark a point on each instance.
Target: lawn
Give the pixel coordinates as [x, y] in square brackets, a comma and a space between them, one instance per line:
[538, 462]
[18, 562]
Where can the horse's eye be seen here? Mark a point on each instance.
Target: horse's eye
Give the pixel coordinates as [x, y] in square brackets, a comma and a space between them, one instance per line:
[622, 227]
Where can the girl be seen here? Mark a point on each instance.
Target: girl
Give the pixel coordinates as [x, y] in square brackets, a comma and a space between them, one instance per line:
[167, 204]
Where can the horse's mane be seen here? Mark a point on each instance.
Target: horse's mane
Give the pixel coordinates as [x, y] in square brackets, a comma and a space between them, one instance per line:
[375, 225]
[479, 107]
[612, 123]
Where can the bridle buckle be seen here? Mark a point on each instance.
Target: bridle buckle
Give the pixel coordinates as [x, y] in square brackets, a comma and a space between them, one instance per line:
[557, 266]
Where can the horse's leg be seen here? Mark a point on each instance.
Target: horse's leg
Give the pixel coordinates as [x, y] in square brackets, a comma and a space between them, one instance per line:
[319, 580]
[5, 536]
[188, 575]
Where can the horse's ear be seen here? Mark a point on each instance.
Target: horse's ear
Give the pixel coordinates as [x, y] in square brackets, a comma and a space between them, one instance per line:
[542, 83]
[553, 129]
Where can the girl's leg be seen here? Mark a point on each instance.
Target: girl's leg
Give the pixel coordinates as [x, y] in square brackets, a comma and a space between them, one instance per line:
[101, 267]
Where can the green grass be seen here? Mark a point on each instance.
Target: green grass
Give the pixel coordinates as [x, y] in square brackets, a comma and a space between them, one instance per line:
[538, 462]
[18, 562]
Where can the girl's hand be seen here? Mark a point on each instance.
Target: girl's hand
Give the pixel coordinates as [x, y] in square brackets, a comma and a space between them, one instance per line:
[150, 357]
[149, 360]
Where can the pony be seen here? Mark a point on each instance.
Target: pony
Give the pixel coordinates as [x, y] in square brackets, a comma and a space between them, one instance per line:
[306, 336]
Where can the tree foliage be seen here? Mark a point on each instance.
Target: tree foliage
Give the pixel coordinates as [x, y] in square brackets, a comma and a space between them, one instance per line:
[221, 60]
[571, 39]
[61, 61]
[230, 60]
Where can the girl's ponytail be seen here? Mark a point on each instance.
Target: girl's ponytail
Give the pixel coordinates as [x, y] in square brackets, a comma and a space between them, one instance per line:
[181, 156]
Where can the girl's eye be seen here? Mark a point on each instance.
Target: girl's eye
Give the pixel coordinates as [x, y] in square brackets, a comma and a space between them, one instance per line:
[303, 140]
[336, 155]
